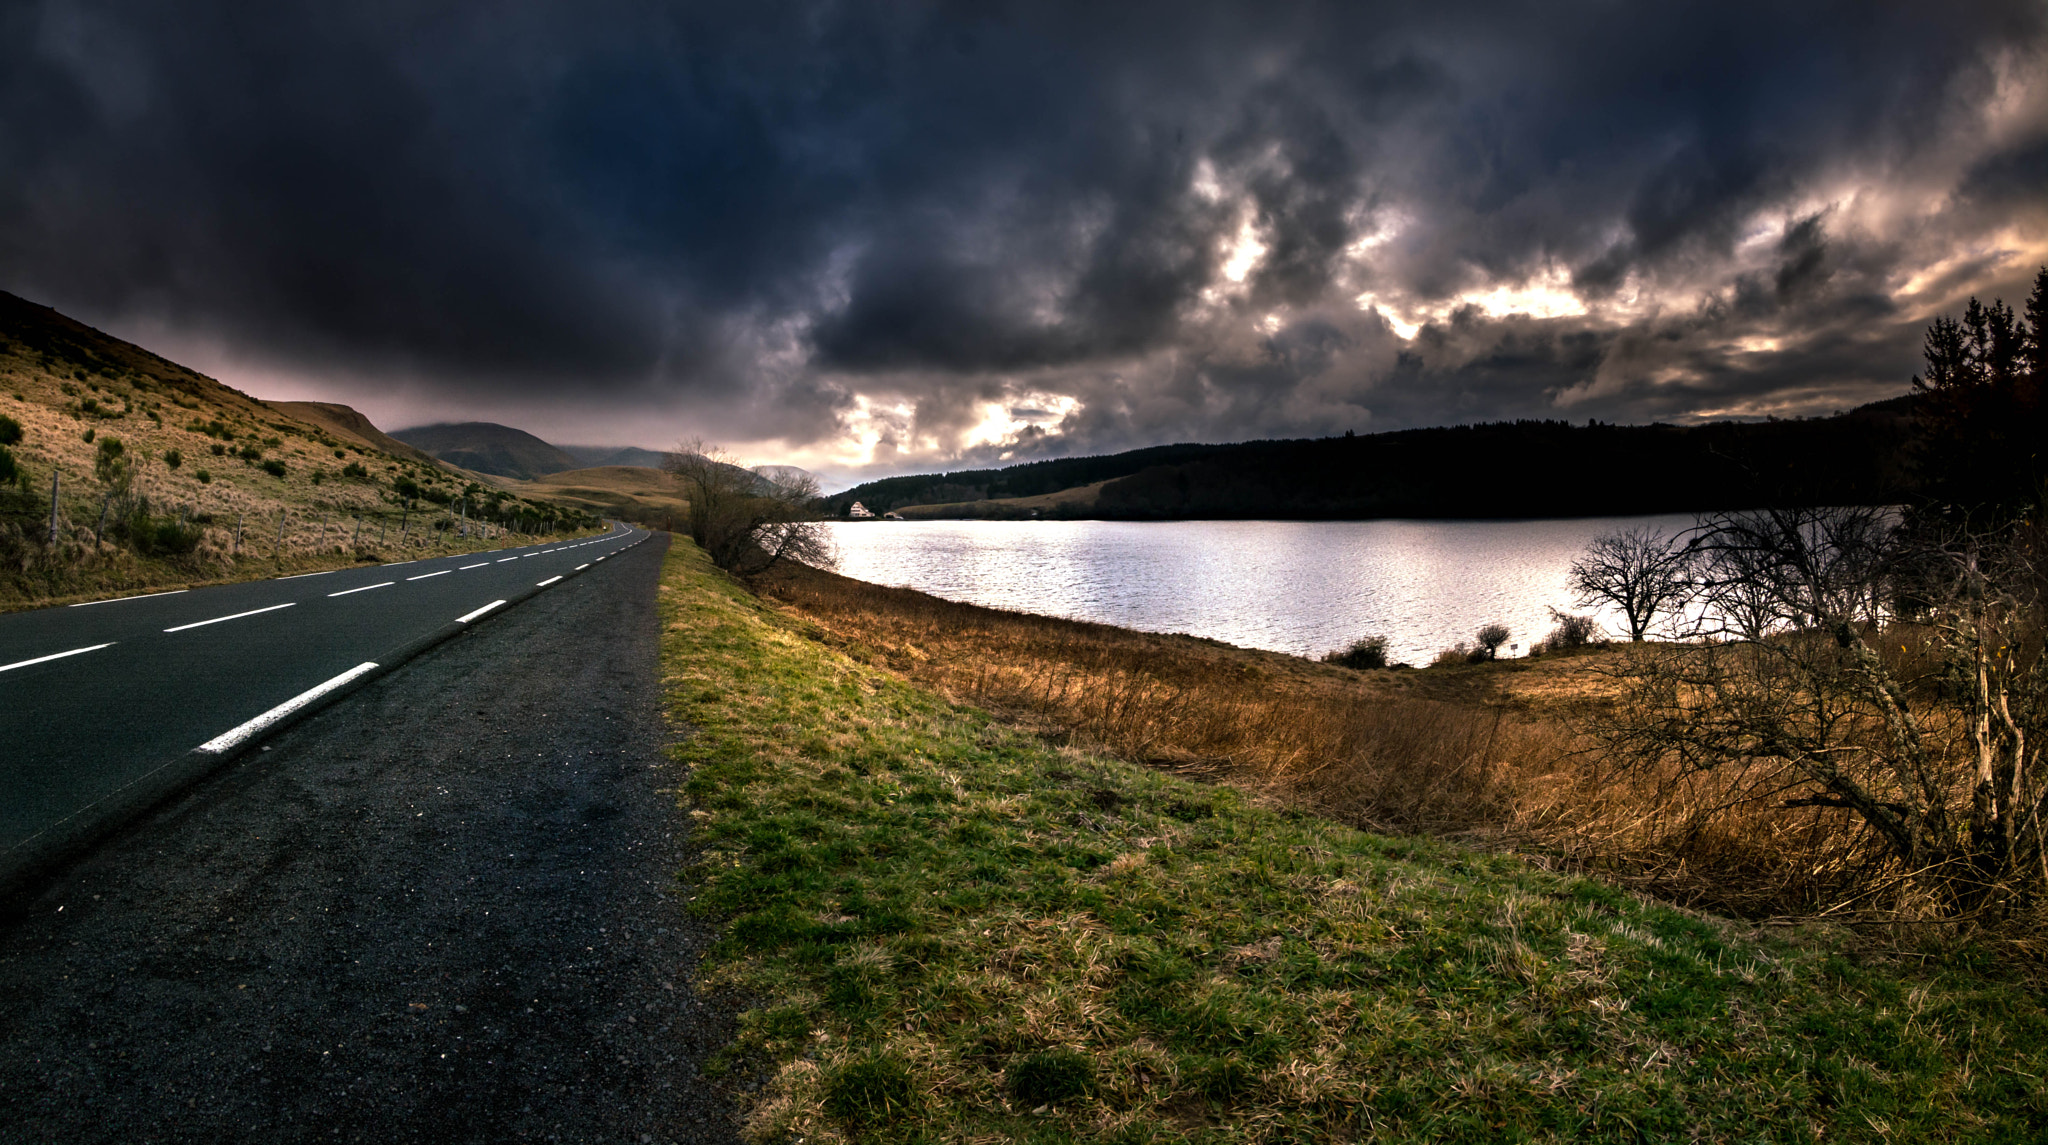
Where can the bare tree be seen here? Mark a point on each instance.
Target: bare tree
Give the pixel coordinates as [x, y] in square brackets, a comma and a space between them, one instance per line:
[1926, 729]
[747, 521]
[1638, 570]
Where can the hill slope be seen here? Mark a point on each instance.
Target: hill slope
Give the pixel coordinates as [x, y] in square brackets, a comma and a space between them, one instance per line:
[1507, 469]
[488, 447]
[594, 456]
[347, 424]
[167, 477]
[628, 492]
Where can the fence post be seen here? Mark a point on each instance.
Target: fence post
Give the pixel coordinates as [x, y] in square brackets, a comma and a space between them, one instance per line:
[238, 533]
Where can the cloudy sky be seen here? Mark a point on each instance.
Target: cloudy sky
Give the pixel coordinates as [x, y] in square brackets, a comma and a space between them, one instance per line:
[885, 237]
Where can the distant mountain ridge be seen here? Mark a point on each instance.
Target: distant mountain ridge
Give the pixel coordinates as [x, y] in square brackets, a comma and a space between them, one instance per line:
[595, 456]
[488, 447]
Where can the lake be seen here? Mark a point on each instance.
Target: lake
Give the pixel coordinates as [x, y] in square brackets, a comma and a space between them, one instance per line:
[1304, 587]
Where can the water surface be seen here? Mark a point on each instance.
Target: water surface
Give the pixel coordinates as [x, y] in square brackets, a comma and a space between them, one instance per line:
[1304, 587]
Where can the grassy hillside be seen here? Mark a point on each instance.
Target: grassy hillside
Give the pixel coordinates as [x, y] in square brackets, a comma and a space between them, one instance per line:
[345, 424]
[954, 930]
[166, 477]
[490, 448]
[627, 492]
[599, 456]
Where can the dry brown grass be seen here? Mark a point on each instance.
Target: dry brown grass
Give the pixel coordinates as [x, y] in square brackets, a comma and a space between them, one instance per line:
[1488, 752]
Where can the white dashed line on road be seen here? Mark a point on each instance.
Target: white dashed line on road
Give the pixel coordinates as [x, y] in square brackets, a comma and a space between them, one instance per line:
[54, 656]
[236, 616]
[477, 565]
[470, 616]
[365, 588]
[233, 736]
[424, 576]
[296, 576]
[547, 582]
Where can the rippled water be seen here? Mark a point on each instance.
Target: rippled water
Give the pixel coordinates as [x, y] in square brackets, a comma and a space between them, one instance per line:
[1290, 586]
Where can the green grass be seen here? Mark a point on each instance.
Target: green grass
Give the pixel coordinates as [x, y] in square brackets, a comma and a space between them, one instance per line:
[951, 931]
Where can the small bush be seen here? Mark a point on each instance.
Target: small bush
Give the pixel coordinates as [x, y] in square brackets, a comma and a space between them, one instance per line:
[274, 467]
[1571, 631]
[1367, 653]
[250, 453]
[1052, 1076]
[152, 536]
[9, 471]
[89, 434]
[319, 476]
[340, 454]
[1459, 653]
[871, 1091]
[173, 458]
[10, 430]
[354, 471]
[204, 477]
[219, 450]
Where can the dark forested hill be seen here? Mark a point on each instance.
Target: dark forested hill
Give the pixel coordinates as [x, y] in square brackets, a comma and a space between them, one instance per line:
[1506, 469]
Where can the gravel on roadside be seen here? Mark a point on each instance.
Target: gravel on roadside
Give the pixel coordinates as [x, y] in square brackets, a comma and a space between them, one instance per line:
[443, 910]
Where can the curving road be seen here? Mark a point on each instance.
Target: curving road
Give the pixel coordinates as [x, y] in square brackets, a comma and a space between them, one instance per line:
[108, 705]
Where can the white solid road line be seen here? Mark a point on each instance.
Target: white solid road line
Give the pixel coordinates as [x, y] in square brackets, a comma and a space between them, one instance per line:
[230, 738]
[469, 616]
[477, 565]
[296, 576]
[236, 616]
[365, 588]
[54, 656]
[423, 576]
[547, 582]
[116, 599]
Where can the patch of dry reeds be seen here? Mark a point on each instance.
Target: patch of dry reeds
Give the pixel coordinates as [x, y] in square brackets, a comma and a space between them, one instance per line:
[1488, 752]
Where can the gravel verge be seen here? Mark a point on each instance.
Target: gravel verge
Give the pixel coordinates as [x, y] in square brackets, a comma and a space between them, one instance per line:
[442, 910]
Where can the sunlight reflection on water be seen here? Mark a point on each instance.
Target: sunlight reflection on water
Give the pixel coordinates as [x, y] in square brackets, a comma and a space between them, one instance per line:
[1304, 587]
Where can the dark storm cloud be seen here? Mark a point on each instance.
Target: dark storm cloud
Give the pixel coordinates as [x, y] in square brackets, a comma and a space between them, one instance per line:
[1097, 225]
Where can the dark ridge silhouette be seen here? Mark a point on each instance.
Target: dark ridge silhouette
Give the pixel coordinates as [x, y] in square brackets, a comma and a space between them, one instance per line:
[1502, 469]
[490, 448]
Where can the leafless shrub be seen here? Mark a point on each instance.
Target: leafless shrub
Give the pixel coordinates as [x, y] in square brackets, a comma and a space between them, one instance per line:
[1804, 684]
[749, 521]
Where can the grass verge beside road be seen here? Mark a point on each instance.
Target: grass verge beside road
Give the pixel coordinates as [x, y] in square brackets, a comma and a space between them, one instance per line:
[952, 931]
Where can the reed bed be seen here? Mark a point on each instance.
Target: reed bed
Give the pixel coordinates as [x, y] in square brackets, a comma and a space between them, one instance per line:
[1491, 753]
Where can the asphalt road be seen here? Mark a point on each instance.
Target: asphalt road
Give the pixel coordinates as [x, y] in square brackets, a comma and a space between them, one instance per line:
[442, 909]
[96, 697]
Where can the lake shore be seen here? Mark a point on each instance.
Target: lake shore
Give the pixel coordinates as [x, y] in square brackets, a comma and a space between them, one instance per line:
[955, 928]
